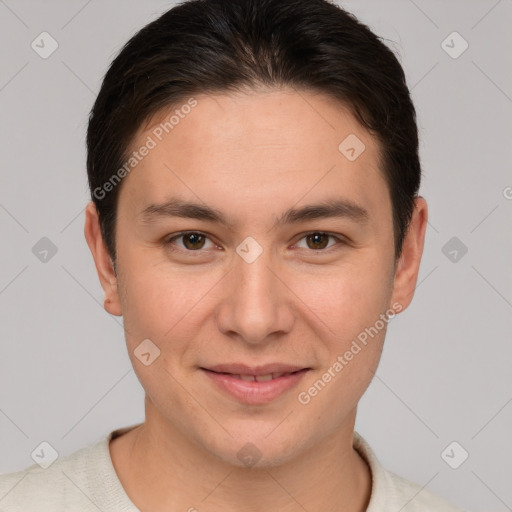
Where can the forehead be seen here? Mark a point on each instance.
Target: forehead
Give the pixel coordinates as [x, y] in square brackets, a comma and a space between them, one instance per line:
[257, 148]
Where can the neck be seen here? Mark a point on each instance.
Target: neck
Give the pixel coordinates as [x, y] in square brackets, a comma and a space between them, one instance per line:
[161, 469]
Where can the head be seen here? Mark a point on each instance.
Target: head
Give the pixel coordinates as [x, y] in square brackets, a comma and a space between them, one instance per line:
[290, 127]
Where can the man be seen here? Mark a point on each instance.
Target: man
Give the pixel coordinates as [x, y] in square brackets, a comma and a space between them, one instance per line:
[255, 219]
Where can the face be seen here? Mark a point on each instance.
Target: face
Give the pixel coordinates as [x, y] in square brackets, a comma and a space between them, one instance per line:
[284, 265]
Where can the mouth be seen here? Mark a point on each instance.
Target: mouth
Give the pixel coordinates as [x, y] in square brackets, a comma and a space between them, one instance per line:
[255, 385]
[256, 378]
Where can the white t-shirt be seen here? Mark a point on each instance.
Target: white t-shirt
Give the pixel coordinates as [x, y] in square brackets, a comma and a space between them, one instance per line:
[86, 481]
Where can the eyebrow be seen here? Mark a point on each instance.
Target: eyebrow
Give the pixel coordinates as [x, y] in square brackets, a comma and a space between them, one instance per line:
[333, 208]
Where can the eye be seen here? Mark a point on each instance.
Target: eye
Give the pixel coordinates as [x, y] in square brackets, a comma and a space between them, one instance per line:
[195, 241]
[192, 241]
[318, 240]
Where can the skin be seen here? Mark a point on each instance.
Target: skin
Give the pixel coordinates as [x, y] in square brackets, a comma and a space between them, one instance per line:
[253, 155]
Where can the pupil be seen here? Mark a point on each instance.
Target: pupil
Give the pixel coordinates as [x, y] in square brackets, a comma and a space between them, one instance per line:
[194, 239]
[317, 239]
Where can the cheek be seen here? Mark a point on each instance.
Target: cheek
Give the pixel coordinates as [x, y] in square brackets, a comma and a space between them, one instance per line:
[348, 307]
[339, 385]
[160, 302]
[347, 299]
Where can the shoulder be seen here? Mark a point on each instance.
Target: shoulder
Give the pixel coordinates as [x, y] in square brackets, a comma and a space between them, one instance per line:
[393, 492]
[69, 483]
[416, 498]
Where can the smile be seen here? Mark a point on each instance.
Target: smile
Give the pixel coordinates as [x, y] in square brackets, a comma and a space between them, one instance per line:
[255, 387]
[258, 378]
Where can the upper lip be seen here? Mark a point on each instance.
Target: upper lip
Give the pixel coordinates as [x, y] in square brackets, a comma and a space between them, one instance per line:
[243, 369]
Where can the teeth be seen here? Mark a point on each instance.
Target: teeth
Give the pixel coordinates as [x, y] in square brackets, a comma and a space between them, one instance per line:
[259, 378]
[264, 378]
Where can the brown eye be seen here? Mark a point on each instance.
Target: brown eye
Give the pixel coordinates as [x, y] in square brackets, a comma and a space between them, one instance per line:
[317, 240]
[320, 241]
[193, 241]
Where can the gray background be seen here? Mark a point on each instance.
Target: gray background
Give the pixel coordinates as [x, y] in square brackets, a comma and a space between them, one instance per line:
[65, 376]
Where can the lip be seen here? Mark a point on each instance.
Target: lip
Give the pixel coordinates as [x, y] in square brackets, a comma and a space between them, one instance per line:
[227, 378]
[243, 369]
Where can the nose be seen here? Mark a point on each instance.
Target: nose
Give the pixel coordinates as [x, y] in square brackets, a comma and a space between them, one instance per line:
[256, 306]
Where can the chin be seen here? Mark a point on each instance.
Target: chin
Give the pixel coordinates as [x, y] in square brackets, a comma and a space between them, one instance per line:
[258, 448]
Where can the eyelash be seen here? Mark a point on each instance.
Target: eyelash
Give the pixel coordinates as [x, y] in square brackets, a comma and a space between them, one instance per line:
[168, 242]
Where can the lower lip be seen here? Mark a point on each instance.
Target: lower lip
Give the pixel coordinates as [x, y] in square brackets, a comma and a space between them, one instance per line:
[255, 393]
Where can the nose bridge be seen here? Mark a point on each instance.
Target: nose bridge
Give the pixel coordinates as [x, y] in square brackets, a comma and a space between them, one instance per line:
[255, 305]
[254, 280]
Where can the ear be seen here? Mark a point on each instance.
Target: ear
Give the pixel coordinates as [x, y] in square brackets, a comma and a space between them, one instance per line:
[408, 265]
[102, 260]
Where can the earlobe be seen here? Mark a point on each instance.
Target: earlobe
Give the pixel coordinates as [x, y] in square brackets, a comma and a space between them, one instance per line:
[102, 260]
[406, 275]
